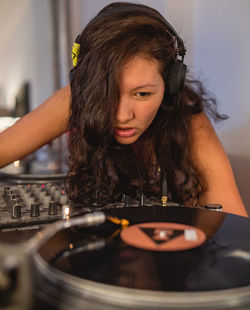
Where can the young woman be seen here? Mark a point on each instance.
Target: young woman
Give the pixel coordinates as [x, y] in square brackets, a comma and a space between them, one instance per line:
[131, 122]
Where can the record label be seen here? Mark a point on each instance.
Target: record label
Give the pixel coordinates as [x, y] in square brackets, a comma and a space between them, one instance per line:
[163, 236]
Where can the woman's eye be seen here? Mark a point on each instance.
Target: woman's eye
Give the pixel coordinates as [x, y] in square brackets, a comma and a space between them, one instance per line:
[142, 94]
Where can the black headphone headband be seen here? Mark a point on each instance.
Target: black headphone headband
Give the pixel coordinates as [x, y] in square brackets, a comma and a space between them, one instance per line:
[126, 8]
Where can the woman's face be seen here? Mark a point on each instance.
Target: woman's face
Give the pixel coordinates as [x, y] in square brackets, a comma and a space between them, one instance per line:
[141, 93]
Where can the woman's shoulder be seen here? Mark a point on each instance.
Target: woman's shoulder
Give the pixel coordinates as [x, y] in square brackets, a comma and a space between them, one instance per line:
[202, 132]
[204, 141]
[200, 122]
[212, 163]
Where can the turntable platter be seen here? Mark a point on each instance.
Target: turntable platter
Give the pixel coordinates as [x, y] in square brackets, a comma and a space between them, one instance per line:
[99, 268]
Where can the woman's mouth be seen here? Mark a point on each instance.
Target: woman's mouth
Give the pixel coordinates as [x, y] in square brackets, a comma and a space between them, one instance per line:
[124, 132]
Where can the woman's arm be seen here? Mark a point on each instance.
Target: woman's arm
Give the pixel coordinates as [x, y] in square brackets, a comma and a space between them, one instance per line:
[37, 128]
[211, 161]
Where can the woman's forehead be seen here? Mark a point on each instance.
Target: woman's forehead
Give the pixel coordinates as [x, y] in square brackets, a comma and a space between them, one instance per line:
[140, 71]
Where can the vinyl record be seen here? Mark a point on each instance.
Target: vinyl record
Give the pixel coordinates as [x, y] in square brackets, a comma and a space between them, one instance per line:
[168, 258]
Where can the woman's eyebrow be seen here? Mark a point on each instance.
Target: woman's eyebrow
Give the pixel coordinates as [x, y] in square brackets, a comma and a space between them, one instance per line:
[145, 86]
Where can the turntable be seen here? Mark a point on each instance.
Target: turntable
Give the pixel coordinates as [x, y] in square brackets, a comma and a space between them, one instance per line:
[147, 257]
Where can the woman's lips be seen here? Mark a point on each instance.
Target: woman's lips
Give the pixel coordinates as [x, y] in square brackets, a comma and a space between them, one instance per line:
[124, 132]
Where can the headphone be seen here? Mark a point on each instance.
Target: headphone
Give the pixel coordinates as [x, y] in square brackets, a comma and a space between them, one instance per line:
[177, 69]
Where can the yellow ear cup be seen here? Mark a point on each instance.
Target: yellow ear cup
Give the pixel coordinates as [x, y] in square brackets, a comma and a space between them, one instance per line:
[75, 53]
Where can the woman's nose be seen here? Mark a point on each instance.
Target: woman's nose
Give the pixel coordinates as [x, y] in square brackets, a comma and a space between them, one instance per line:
[125, 111]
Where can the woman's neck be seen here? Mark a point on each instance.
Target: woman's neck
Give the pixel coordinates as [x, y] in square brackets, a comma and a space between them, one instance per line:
[144, 149]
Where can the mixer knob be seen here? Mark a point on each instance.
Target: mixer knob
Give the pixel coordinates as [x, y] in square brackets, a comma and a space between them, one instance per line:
[48, 185]
[140, 197]
[52, 208]
[34, 186]
[57, 195]
[13, 197]
[42, 195]
[29, 202]
[46, 201]
[126, 200]
[21, 189]
[65, 211]
[6, 191]
[35, 209]
[8, 196]
[63, 200]
[16, 211]
[28, 190]
[52, 190]
[37, 191]
[214, 207]
[14, 201]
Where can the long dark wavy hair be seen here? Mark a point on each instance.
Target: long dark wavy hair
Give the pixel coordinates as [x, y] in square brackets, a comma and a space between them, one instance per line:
[99, 167]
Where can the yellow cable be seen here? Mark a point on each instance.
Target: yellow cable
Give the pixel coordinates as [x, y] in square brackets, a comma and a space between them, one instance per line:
[123, 222]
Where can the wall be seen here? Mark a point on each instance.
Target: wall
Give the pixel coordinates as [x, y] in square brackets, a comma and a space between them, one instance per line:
[25, 53]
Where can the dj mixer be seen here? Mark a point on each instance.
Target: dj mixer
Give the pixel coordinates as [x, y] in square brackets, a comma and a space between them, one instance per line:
[29, 203]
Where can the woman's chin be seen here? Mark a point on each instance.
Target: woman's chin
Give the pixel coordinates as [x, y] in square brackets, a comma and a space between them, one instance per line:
[127, 140]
